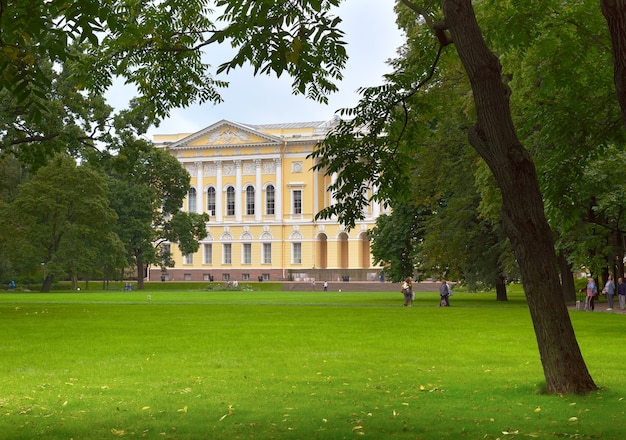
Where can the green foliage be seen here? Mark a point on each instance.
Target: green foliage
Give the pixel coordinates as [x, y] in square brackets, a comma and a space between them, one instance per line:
[147, 189]
[558, 58]
[60, 218]
[395, 241]
[73, 120]
[186, 228]
[155, 46]
[278, 37]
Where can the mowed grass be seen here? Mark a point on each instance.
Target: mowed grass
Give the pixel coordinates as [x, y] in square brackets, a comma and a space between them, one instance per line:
[294, 365]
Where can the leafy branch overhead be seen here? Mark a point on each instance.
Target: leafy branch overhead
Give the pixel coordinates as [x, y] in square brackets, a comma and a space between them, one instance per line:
[278, 37]
[158, 47]
[373, 131]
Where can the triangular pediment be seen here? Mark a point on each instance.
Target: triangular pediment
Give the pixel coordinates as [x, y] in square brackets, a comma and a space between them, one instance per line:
[226, 134]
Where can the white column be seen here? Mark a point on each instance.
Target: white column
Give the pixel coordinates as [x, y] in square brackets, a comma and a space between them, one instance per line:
[258, 192]
[333, 200]
[316, 202]
[375, 204]
[238, 191]
[278, 206]
[199, 188]
[219, 199]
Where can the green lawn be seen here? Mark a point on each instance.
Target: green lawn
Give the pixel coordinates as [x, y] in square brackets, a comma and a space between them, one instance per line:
[294, 365]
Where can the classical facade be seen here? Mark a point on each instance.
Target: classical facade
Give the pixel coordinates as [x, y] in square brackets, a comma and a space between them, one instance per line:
[258, 187]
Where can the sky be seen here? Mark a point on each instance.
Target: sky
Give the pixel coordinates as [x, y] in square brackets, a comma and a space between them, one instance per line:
[372, 38]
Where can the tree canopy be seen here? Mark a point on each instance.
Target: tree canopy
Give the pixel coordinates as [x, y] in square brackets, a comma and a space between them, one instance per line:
[60, 219]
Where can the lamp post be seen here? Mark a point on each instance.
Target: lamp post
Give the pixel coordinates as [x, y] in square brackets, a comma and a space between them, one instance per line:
[43, 265]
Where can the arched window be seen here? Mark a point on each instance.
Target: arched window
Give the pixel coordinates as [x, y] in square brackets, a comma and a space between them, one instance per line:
[191, 200]
[270, 199]
[210, 201]
[250, 200]
[230, 200]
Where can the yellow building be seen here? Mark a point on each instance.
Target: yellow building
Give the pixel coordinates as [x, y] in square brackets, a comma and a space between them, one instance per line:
[257, 184]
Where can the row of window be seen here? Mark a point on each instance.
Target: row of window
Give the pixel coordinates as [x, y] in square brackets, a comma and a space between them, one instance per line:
[246, 253]
[250, 201]
[225, 277]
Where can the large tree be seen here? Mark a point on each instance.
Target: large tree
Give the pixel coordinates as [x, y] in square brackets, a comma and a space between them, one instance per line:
[495, 138]
[395, 240]
[615, 13]
[57, 214]
[147, 189]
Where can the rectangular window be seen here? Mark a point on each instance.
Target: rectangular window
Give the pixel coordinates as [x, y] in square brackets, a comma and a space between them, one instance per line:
[208, 253]
[192, 200]
[296, 253]
[166, 255]
[267, 253]
[210, 201]
[270, 200]
[188, 259]
[297, 201]
[227, 255]
[230, 201]
[245, 276]
[246, 253]
[250, 200]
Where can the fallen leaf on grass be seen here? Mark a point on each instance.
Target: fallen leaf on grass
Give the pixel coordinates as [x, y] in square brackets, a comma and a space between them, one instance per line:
[183, 409]
[572, 419]
[118, 432]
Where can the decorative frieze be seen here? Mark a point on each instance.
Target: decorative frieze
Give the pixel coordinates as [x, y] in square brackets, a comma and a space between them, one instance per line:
[229, 135]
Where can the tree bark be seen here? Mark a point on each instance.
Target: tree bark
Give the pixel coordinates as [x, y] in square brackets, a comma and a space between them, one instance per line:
[47, 283]
[614, 12]
[501, 289]
[495, 139]
[140, 270]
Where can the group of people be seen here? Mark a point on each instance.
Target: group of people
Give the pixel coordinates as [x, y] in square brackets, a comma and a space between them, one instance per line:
[444, 293]
[608, 290]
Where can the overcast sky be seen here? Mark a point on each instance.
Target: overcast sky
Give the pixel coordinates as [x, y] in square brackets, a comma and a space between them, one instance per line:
[372, 37]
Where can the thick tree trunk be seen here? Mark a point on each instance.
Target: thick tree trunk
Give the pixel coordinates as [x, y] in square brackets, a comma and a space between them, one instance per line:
[495, 139]
[615, 13]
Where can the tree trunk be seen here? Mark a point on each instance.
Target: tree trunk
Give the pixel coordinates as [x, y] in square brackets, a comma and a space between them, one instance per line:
[139, 272]
[501, 289]
[615, 13]
[47, 283]
[495, 139]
